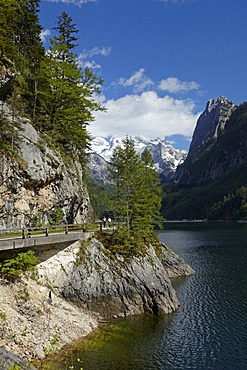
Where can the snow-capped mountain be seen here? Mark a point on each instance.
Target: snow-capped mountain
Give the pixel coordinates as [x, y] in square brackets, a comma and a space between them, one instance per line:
[166, 157]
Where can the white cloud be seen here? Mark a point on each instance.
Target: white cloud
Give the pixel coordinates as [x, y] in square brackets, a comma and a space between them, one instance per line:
[95, 51]
[83, 57]
[176, 2]
[146, 114]
[44, 34]
[174, 85]
[138, 80]
[75, 2]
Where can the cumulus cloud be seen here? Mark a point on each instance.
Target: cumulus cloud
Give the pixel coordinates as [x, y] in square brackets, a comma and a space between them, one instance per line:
[146, 114]
[86, 54]
[44, 34]
[138, 80]
[75, 2]
[174, 85]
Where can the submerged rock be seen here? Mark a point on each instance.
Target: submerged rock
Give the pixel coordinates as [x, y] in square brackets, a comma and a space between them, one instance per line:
[112, 286]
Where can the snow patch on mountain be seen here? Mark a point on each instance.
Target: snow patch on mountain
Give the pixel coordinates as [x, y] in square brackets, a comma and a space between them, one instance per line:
[165, 156]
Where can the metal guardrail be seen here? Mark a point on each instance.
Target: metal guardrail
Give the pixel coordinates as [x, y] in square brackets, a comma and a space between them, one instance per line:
[27, 232]
[26, 238]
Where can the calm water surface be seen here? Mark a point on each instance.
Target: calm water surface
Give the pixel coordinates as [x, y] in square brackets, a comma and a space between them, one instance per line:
[209, 331]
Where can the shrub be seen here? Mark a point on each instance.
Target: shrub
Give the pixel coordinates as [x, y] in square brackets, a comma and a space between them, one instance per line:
[12, 268]
[56, 216]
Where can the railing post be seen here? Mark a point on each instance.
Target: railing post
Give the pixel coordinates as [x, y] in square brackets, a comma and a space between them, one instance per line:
[66, 229]
[23, 233]
[46, 231]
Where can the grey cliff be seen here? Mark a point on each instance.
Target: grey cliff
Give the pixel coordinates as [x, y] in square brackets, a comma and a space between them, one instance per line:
[37, 182]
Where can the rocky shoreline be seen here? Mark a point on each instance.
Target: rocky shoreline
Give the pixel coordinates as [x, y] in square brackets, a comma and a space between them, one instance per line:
[76, 288]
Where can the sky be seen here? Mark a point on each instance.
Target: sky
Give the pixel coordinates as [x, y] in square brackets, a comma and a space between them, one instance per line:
[161, 60]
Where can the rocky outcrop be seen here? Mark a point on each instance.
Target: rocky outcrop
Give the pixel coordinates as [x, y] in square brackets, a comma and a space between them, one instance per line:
[96, 285]
[211, 123]
[9, 360]
[111, 286]
[174, 265]
[38, 183]
[30, 317]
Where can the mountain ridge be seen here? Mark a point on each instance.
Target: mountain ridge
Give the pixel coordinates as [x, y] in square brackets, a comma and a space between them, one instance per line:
[165, 156]
[212, 182]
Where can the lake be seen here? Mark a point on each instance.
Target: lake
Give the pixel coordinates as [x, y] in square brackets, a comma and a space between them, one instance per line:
[209, 330]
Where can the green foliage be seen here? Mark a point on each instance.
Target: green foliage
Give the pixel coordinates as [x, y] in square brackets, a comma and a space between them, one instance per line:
[13, 268]
[14, 367]
[137, 197]
[100, 198]
[56, 216]
[9, 134]
[218, 200]
[3, 316]
[49, 88]
[65, 96]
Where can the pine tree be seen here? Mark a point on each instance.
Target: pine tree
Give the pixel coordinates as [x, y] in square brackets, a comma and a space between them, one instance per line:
[68, 102]
[152, 190]
[10, 130]
[137, 193]
[7, 18]
[21, 49]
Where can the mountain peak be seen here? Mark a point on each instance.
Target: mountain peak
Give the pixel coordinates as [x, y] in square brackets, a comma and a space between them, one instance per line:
[211, 122]
[165, 156]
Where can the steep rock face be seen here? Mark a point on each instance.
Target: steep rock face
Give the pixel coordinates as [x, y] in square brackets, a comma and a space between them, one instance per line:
[110, 286]
[38, 182]
[210, 124]
[210, 128]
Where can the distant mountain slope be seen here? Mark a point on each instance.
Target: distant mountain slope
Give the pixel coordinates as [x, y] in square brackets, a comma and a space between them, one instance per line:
[209, 155]
[212, 181]
[165, 156]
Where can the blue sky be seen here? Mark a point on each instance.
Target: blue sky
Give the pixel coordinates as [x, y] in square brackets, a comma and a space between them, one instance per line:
[161, 60]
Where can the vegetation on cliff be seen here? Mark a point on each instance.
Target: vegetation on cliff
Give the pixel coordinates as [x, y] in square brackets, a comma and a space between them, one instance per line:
[48, 87]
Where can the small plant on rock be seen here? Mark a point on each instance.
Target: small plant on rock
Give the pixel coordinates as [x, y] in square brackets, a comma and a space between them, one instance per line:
[12, 268]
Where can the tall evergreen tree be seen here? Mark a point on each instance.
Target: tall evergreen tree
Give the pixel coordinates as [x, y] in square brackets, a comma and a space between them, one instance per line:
[68, 104]
[10, 130]
[21, 49]
[137, 193]
[7, 19]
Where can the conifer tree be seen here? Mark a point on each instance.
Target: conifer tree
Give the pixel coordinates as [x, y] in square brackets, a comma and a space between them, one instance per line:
[10, 130]
[68, 104]
[21, 49]
[137, 193]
